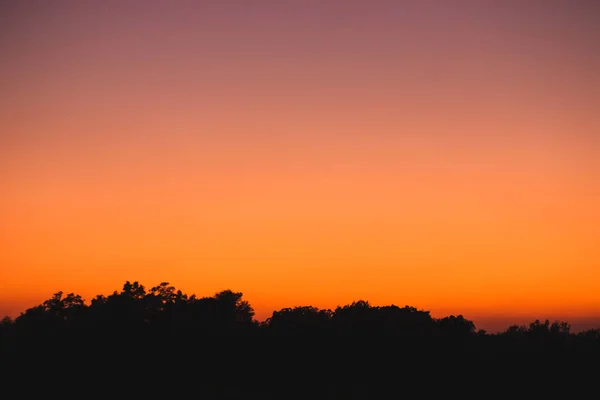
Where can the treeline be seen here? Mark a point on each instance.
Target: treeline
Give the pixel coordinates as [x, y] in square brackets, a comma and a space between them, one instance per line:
[221, 330]
[164, 309]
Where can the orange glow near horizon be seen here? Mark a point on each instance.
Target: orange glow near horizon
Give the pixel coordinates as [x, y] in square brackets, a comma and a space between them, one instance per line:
[313, 155]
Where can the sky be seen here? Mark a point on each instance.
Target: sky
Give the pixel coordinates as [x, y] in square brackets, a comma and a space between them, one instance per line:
[438, 154]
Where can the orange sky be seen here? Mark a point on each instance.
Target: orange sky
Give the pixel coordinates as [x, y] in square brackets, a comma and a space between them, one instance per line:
[305, 153]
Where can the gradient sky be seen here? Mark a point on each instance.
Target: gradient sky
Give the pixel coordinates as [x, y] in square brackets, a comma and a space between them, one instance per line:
[444, 155]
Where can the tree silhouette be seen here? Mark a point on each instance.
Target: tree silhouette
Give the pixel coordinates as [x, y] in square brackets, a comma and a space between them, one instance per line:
[368, 346]
[302, 320]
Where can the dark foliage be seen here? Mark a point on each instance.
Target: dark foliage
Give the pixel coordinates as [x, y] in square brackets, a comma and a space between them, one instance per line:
[160, 340]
